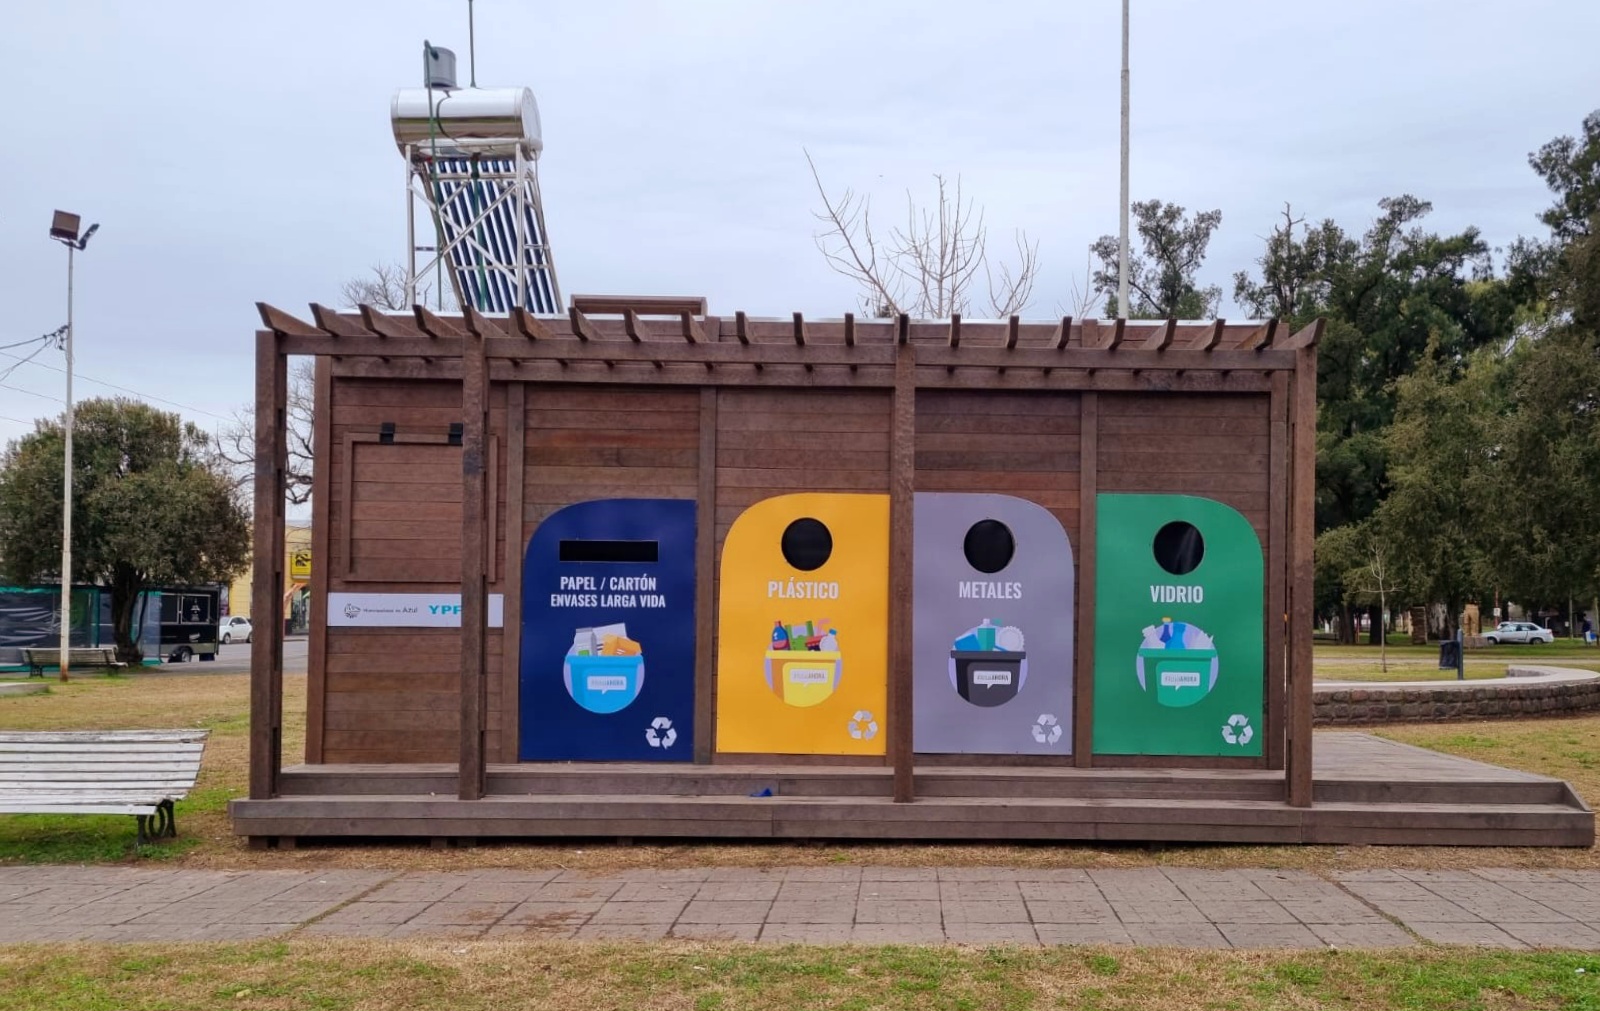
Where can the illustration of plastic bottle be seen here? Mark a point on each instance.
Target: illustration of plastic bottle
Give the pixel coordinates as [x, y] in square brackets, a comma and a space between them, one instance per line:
[985, 633]
[830, 641]
[780, 636]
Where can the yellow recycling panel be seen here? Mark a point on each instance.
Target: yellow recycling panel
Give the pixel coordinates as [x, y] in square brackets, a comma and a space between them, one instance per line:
[803, 629]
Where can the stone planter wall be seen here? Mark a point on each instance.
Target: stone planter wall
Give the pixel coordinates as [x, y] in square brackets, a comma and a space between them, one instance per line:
[1379, 704]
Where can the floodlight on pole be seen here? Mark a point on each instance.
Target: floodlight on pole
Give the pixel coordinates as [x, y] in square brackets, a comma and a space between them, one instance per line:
[64, 229]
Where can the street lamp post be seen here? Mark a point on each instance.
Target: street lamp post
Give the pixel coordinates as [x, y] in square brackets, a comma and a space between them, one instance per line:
[64, 229]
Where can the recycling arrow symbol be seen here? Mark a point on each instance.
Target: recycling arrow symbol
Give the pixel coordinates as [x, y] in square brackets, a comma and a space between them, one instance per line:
[863, 727]
[660, 733]
[1047, 730]
[1238, 730]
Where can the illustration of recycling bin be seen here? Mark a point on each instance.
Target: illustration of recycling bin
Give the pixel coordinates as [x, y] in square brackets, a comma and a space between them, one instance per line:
[1179, 630]
[992, 624]
[803, 649]
[608, 642]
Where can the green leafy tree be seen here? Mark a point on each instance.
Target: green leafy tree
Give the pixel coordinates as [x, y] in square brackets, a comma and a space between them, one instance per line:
[149, 507]
[1437, 517]
[1297, 270]
[1161, 281]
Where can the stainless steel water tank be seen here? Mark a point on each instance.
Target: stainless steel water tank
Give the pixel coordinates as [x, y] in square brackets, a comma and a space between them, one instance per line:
[492, 121]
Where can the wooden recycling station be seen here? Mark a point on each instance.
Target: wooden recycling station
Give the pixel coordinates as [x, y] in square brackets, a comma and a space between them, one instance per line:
[643, 571]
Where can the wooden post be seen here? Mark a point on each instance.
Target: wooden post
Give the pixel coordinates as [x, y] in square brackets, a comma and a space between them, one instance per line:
[321, 556]
[705, 564]
[511, 634]
[474, 589]
[902, 482]
[266, 608]
[1083, 653]
[1277, 599]
[1303, 478]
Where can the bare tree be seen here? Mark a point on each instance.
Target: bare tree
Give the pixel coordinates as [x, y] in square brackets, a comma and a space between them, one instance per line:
[385, 288]
[928, 267]
[234, 443]
[1376, 580]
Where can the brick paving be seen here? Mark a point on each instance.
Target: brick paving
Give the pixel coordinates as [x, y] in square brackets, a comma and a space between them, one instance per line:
[1185, 907]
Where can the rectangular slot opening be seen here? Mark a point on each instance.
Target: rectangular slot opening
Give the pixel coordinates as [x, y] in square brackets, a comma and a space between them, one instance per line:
[610, 551]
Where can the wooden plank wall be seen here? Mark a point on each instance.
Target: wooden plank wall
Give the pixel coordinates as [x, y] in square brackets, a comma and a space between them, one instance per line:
[389, 695]
[782, 442]
[1020, 444]
[1212, 445]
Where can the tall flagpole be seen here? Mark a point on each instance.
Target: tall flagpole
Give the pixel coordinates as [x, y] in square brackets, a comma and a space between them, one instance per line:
[1122, 248]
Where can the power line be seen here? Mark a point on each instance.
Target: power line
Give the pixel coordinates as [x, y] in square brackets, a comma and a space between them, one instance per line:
[21, 361]
[52, 335]
[31, 393]
[114, 386]
[7, 417]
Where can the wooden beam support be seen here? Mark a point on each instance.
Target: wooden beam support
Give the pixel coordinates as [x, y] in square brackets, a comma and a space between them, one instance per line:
[1085, 559]
[437, 326]
[1212, 337]
[849, 329]
[1130, 358]
[1308, 336]
[472, 769]
[955, 329]
[321, 547]
[1261, 337]
[903, 329]
[799, 330]
[1277, 599]
[340, 326]
[705, 598]
[515, 541]
[385, 325]
[1090, 336]
[1161, 339]
[280, 322]
[1064, 332]
[266, 607]
[690, 328]
[1118, 331]
[644, 305]
[531, 326]
[902, 486]
[1013, 326]
[630, 322]
[483, 326]
[741, 327]
[581, 327]
[1302, 536]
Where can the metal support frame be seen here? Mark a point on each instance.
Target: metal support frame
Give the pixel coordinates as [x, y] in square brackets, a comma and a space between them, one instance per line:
[495, 247]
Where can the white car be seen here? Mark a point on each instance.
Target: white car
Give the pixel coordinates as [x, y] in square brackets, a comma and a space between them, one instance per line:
[1519, 631]
[234, 629]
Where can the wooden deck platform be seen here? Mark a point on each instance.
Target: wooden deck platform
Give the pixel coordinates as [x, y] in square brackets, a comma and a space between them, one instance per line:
[1366, 790]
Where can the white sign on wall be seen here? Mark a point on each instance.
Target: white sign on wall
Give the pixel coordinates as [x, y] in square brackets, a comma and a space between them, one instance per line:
[405, 610]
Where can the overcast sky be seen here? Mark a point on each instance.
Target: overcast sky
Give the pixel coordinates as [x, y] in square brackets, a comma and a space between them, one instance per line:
[241, 152]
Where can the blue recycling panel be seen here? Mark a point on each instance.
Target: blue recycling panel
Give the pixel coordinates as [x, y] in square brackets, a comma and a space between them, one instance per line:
[608, 633]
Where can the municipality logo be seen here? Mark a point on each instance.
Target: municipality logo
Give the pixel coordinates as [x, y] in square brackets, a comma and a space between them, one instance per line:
[351, 610]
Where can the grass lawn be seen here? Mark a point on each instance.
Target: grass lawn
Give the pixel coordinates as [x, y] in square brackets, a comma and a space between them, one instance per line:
[467, 976]
[1568, 748]
[1333, 662]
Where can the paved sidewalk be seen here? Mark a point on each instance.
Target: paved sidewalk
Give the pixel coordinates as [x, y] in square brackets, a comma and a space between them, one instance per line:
[1176, 906]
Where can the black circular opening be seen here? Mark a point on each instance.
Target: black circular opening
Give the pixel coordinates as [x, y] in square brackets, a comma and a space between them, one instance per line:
[1179, 548]
[989, 546]
[807, 544]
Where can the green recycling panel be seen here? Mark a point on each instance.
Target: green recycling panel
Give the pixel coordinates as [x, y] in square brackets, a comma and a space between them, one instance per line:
[1179, 652]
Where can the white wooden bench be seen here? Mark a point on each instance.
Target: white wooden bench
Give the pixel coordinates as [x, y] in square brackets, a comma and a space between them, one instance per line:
[137, 772]
[38, 658]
